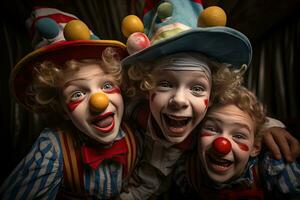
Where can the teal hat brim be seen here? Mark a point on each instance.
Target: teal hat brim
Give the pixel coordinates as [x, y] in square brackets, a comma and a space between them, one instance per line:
[224, 44]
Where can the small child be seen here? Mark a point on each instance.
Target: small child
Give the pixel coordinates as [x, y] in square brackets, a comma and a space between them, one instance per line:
[227, 164]
[178, 99]
[87, 152]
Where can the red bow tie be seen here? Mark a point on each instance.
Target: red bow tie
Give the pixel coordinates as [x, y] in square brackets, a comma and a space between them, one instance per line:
[93, 156]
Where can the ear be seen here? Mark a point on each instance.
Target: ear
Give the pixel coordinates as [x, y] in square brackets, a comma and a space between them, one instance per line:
[256, 148]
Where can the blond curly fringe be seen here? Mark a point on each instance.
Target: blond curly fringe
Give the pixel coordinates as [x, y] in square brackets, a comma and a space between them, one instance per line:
[231, 91]
[44, 89]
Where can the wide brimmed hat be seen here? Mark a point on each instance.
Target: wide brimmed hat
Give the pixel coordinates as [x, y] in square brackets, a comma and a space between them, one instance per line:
[52, 43]
[175, 26]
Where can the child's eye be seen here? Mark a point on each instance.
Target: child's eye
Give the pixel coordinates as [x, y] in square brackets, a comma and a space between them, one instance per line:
[240, 136]
[108, 86]
[210, 128]
[164, 84]
[77, 95]
[197, 89]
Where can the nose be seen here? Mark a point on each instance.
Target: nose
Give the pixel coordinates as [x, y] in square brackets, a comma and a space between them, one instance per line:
[221, 146]
[179, 100]
[98, 102]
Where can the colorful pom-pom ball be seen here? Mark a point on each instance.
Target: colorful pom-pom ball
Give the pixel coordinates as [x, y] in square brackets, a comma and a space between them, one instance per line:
[164, 10]
[212, 16]
[131, 24]
[76, 30]
[98, 102]
[136, 42]
[47, 28]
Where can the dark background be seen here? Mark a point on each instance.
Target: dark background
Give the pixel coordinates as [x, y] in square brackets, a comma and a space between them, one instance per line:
[273, 28]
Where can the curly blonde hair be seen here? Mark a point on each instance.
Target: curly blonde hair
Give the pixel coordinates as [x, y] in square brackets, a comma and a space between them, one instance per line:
[223, 76]
[44, 89]
[141, 73]
[245, 100]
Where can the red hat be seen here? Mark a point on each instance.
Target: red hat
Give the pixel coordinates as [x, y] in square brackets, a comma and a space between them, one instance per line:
[57, 37]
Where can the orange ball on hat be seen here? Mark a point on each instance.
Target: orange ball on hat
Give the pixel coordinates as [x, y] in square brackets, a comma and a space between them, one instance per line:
[131, 24]
[76, 30]
[212, 16]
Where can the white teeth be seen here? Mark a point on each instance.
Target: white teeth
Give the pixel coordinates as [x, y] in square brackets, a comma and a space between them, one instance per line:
[220, 166]
[220, 161]
[177, 118]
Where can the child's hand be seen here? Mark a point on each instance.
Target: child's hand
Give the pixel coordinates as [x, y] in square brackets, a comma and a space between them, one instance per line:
[278, 141]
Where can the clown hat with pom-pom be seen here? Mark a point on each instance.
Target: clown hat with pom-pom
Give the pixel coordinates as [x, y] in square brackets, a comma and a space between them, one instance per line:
[175, 26]
[57, 37]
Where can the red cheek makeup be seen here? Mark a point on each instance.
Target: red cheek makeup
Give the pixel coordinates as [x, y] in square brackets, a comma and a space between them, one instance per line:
[205, 134]
[73, 104]
[206, 102]
[115, 90]
[243, 147]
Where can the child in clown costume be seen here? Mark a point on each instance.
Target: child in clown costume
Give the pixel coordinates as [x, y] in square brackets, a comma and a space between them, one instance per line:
[226, 164]
[89, 155]
[89, 152]
[175, 75]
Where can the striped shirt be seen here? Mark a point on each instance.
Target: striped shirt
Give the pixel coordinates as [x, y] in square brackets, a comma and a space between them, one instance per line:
[279, 177]
[284, 178]
[40, 174]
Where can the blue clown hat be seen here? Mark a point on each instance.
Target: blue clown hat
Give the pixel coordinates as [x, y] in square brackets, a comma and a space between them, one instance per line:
[175, 26]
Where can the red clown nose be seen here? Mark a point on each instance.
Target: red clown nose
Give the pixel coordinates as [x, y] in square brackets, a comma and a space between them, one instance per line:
[222, 146]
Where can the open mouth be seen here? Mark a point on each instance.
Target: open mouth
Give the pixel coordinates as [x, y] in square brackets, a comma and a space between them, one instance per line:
[176, 124]
[219, 164]
[104, 123]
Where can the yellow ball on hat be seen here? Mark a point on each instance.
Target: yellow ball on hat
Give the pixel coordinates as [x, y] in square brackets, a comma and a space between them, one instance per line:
[131, 24]
[212, 16]
[76, 30]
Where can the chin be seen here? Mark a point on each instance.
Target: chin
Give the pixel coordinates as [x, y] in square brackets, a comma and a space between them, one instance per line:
[108, 139]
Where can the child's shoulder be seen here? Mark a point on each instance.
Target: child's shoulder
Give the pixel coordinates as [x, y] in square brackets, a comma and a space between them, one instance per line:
[280, 175]
[49, 139]
[274, 167]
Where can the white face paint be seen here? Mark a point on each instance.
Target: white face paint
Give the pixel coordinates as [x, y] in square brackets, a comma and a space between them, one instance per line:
[179, 101]
[77, 89]
[237, 127]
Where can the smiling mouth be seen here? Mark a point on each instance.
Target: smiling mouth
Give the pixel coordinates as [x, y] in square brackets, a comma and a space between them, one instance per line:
[104, 123]
[176, 125]
[218, 164]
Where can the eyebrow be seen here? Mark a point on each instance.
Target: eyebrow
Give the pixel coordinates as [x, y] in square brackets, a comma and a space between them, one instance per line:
[73, 80]
[66, 84]
[213, 119]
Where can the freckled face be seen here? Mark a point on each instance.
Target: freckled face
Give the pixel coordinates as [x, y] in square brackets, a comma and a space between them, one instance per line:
[77, 89]
[235, 126]
[179, 101]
